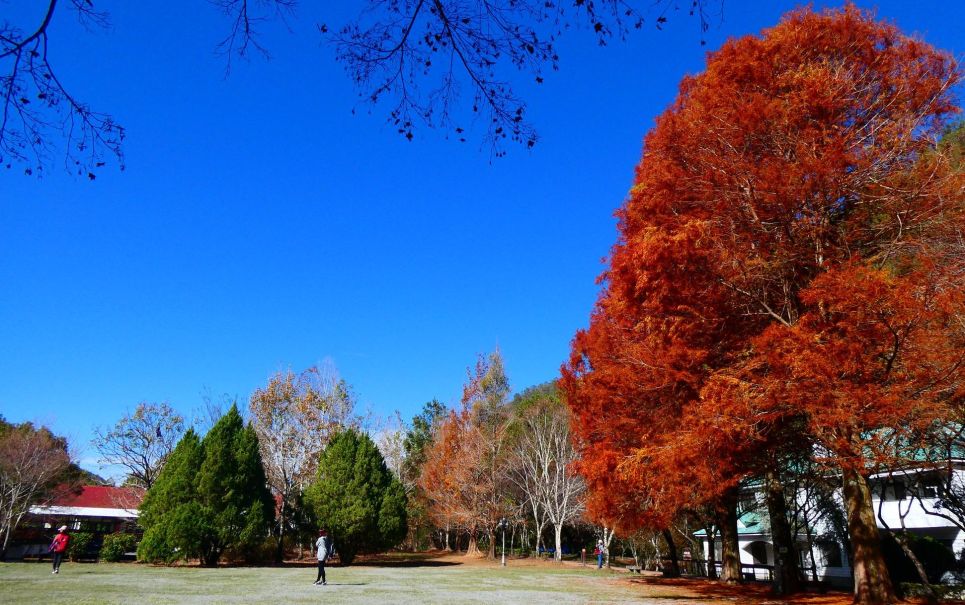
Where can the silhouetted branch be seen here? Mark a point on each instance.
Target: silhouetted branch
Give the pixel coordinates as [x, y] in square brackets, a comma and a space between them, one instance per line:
[37, 107]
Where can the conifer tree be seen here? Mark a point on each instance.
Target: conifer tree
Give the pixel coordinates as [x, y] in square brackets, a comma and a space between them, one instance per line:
[232, 487]
[211, 498]
[356, 498]
[173, 490]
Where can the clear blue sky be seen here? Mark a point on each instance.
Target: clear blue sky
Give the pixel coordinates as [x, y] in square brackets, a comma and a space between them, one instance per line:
[261, 226]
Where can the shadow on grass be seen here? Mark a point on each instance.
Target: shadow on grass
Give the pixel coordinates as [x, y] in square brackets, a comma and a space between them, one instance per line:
[392, 560]
[751, 592]
[404, 560]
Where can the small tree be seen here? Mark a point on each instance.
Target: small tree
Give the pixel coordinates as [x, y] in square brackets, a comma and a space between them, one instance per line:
[356, 497]
[32, 461]
[141, 442]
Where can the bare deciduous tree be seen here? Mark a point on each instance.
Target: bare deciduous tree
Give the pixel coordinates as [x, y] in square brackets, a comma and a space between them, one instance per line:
[38, 108]
[32, 461]
[545, 458]
[295, 416]
[141, 442]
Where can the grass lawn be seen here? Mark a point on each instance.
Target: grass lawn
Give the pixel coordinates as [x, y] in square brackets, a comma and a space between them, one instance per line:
[446, 579]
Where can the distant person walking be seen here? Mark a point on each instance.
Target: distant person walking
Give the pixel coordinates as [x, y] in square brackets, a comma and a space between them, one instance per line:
[59, 547]
[600, 550]
[323, 552]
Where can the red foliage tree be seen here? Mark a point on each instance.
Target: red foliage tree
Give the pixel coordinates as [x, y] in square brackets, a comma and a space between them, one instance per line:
[778, 241]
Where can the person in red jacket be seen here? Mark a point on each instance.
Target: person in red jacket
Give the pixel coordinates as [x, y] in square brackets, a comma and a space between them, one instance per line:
[59, 547]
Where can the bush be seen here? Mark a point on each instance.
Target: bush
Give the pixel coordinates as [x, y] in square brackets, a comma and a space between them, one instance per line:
[79, 545]
[115, 545]
[943, 592]
[154, 546]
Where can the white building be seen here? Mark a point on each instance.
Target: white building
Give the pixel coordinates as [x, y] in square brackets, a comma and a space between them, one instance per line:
[903, 501]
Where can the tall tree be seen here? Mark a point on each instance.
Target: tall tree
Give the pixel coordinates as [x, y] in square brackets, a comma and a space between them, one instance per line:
[32, 462]
[485, 397]
[170, 496]
[141, 442]
[232, 487]
[783, 209]
[418, 439]
[415, 445]
[357, 498]
[295, 416]
[544, 461]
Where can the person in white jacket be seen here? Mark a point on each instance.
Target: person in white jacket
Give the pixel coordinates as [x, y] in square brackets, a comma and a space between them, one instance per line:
[323, 551]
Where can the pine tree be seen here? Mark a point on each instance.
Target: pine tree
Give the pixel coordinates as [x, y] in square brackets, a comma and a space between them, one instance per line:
[232, 488]
[356, 498]
[211, 498]
[165, 503]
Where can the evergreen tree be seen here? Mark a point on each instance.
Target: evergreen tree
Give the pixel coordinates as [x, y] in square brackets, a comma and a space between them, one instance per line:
[211, 497]
[166, 502]
[233, 489]
[357, 498]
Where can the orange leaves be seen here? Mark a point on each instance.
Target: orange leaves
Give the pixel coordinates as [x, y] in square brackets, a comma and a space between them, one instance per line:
[778, 277]
[872, 353]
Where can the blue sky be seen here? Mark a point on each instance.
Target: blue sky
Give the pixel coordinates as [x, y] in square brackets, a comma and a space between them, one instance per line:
[261, 226]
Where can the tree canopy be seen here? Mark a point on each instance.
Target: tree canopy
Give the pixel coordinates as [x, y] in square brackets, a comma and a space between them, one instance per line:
[141, 442]
[356, 498]
[779, 262]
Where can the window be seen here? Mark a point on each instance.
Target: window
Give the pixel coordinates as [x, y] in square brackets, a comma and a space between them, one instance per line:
[889, 490]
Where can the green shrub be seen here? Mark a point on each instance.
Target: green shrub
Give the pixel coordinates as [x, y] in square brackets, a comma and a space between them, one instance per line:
[79, 544]
[943, 592]
[154, 547]
[115, 545]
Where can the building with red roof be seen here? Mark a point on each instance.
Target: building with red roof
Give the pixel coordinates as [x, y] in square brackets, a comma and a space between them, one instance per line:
[96, 509]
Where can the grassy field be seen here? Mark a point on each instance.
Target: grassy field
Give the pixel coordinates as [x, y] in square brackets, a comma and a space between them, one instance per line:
[438, 580]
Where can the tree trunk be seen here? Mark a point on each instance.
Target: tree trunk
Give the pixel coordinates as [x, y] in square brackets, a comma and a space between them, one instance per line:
[872, 584]
[730, 565]
[787, 576]
[674, 571]
[473, 548]
[558, 530]
[607, 539]
[814, 562]
[280, 552]
[491, 551]
[711, 552]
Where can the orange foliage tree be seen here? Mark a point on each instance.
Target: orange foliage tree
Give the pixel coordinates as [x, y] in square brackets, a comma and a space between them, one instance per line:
[466, 472]
[777, 267]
